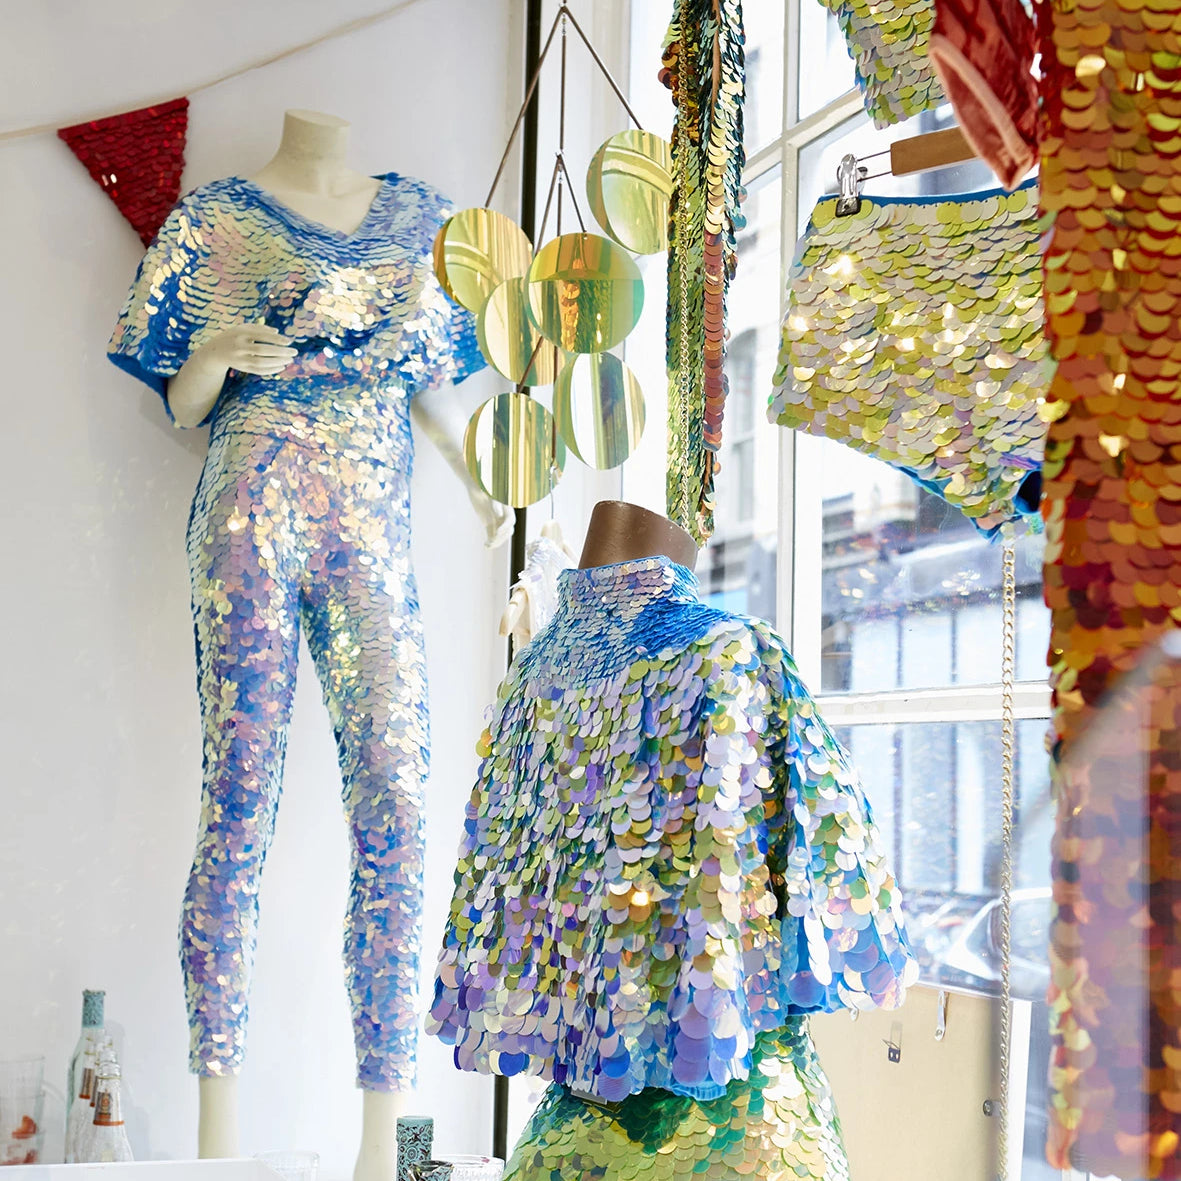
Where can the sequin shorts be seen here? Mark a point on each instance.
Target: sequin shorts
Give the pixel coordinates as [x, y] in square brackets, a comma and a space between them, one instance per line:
[780, 1122]
[283, 538]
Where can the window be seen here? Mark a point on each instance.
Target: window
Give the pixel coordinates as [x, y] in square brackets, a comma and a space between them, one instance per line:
[890, 599]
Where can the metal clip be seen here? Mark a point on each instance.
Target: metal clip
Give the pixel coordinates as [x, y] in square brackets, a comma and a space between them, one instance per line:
[894, 1042]
[941, 1018]
[851, 173]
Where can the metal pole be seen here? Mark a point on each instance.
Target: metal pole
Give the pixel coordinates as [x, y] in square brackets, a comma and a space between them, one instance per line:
[517, 558]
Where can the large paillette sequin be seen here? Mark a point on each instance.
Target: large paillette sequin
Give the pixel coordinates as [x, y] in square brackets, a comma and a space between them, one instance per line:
[914, 334]
[666, 852]
[887, 40]
[1111, 177]
[779, 1122]
[301, 520]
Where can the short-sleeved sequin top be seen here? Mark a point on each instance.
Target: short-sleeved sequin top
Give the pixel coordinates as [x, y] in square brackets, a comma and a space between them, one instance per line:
[666, 852]
[370, 321]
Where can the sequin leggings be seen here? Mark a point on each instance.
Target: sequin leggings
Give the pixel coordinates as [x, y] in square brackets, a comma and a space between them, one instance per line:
[280, 536]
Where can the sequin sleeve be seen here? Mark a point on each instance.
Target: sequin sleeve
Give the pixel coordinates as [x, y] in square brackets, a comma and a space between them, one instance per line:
[439, 346]
[843, 940]
[172, 305]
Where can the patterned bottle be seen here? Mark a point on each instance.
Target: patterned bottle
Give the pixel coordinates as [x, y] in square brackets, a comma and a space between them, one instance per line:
[107, 1137]
[80, 1115]
[92, 1025]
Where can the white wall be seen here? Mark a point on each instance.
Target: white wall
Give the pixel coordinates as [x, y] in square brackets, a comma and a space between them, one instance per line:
[99, 738]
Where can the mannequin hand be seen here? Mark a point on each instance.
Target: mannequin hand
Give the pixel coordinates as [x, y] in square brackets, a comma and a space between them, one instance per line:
[498, 518]
[248, 348]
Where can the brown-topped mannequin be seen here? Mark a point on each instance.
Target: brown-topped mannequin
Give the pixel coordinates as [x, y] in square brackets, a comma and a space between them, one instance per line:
[622, 532]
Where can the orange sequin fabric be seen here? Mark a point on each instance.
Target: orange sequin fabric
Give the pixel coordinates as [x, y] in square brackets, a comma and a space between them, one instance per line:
[1111, 175]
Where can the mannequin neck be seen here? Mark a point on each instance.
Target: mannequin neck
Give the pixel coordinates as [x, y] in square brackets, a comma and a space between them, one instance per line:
[622, 532]
[311, 156]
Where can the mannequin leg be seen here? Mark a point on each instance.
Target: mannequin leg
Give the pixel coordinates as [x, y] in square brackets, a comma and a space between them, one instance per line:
[246, 622]
[360, 613]
[217, 1123]
[378, 1158]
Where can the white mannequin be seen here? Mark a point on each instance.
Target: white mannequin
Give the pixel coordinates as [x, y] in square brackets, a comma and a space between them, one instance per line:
[309, 175]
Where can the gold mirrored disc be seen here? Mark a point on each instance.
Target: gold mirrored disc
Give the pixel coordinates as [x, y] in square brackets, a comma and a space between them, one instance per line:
[599, 409]
[513, 450]
[629, 184]
[475, 250]
[585, 293]
[508, 338]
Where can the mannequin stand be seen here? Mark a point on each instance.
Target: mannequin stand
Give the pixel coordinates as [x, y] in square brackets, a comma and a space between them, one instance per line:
[217, 1128]
[378, 1158]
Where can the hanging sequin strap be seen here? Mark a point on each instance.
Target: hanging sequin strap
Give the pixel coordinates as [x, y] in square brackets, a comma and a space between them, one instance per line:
[704, 68]
[1008, 747]
[914, 334]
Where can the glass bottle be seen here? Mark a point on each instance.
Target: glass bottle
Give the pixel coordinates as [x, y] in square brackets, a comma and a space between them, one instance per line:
[93, 1003]
[107, 1140]
[80, 1113]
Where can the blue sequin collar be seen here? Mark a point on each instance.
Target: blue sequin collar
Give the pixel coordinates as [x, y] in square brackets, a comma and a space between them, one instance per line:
[609, 616]
[627, 588]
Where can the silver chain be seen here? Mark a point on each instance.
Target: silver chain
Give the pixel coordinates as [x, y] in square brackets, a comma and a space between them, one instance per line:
[1008, 745]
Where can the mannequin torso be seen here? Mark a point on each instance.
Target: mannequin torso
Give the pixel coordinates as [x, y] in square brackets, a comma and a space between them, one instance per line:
[308, 172]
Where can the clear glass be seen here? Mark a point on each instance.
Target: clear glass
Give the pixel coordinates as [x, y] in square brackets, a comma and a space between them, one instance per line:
[825, 67]
[737, 567]
[22, 1101]
[475, 1168]
[292, 1164]
[763, 112]
[936, 793]
[909, 592]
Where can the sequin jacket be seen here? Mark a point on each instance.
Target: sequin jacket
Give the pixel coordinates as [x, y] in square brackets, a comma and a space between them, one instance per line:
[371, 324]
[665, 854]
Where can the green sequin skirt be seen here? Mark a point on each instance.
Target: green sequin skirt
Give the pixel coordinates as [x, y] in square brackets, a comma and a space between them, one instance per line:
[780, 1122]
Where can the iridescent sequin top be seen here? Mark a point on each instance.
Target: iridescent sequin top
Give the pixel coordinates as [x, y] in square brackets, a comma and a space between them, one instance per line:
[665, 854]
[371, 323]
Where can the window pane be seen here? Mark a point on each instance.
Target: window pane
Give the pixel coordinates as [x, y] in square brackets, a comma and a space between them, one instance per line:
[946, 847]
[763, 114]
[894, 556]
[927, 771]
[938, 784]
[826, 69]
[737, 567]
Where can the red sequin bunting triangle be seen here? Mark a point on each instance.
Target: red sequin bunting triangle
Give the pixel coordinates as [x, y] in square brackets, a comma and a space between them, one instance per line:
[137, 158]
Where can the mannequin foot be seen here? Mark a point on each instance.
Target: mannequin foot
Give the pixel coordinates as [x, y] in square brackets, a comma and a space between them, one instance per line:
[378, 1157]
[217, 1123]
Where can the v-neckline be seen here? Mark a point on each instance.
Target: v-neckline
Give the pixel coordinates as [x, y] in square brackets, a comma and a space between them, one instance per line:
[301, 221]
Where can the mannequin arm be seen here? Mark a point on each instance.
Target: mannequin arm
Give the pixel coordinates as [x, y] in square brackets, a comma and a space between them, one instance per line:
[249, 348]
[438, 414]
